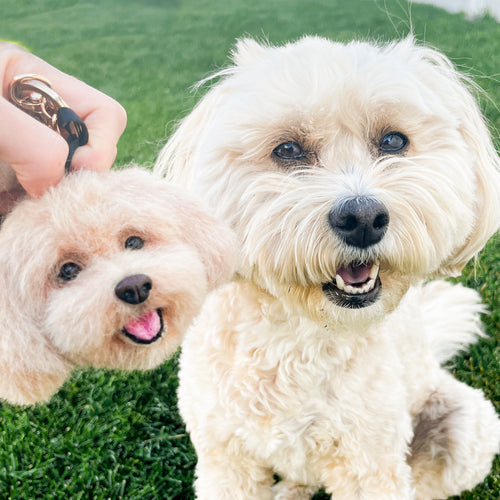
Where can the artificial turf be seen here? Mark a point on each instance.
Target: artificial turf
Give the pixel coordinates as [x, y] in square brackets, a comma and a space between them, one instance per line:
[115, 435]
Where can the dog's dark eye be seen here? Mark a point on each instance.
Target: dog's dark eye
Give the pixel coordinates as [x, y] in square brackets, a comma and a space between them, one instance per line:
[289, 151]
[69, 271]
[134, 243]
[393, 142]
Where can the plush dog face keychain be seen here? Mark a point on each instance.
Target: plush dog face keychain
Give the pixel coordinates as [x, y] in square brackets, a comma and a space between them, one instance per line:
[105, 270]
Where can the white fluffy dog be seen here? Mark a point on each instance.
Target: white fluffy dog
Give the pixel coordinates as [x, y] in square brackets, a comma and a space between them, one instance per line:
[351, 174]
[105, 270]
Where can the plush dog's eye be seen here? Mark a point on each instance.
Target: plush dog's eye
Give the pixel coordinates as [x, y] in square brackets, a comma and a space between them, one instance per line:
[134, 243]
[69, 271]
[289, 151]
[393, 142]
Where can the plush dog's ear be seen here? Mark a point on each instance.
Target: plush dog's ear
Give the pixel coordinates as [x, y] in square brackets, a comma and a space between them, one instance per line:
[214, 241]
[485, 160]
[30, 369]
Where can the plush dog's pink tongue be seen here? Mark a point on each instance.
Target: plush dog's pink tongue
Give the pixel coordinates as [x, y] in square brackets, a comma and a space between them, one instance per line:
[146, 327]
[355, 274]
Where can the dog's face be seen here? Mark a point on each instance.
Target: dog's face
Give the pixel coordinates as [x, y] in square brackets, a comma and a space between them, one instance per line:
[108, 269]
[347, 171]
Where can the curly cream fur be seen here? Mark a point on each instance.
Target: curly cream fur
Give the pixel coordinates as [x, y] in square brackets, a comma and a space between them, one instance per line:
[277, 378]
[50, 326]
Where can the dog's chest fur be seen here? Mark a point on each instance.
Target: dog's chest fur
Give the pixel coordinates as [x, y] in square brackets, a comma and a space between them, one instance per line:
[288, 382]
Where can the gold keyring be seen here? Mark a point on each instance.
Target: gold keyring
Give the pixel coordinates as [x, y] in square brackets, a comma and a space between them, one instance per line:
[34, 94]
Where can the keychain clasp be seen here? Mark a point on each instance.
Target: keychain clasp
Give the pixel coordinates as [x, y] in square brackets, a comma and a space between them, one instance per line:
[34, 94]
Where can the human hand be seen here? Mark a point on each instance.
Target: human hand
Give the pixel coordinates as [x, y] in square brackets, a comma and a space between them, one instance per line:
[36, 154]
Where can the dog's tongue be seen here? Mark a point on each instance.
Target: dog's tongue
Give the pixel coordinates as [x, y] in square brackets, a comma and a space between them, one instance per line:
[354, 273]
[146, 327]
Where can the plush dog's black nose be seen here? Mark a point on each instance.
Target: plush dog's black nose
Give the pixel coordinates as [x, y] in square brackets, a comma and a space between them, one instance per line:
[360, 222]
[134, 289]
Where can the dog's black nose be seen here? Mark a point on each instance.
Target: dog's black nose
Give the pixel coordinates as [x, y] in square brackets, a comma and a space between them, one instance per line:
[360, 222]
[134, 289]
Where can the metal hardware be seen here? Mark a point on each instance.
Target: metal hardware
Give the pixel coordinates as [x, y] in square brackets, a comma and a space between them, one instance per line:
[34, 94]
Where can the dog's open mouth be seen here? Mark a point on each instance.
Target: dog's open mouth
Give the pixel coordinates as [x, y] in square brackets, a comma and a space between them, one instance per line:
[355, 285]
[146, 329]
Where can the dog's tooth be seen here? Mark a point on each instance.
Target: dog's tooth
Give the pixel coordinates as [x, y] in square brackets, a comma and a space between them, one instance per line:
[358, 290]
[374, 270]
[340, 282]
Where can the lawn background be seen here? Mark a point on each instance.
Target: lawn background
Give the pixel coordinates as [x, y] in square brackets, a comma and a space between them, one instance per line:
[113, 435]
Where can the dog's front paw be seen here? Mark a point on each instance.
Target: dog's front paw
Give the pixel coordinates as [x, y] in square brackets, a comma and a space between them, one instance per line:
[289, 490]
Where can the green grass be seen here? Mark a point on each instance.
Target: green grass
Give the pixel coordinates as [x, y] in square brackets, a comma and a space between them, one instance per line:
[113, 435]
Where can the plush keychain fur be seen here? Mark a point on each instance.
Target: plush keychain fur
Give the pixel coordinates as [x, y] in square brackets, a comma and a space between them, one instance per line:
[105, 270]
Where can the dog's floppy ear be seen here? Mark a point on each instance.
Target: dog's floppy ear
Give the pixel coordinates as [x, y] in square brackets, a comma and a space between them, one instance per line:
[177, 160]
[485, 160]
[31, 371]
[487, 170]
